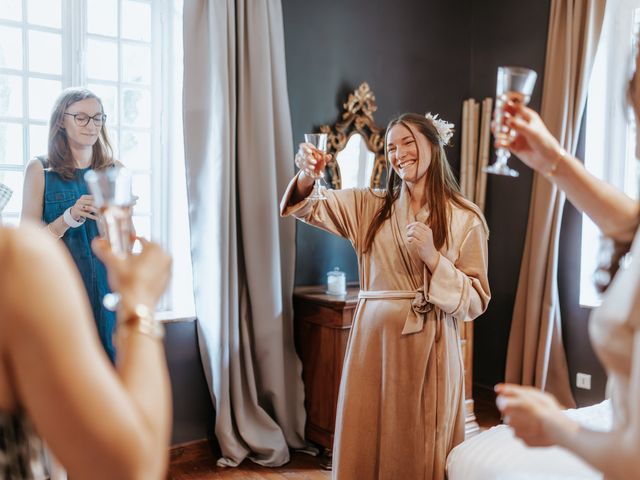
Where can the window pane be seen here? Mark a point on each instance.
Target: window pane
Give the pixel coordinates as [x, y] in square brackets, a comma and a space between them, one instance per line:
[38, 140]
[13, 180]
[11, 10]
[102, 60]
[45, 52]
[136, 150]
[11, 47]
[590, 245]
[9, 220]
[142, 189]
[109, 96]
[42, 95]
[143, 228]
[631, 169]
[11, 95]
[11, 144]
[136, 64]
[44, 12]
[102, 17]
[136, 20]
[113, 139]
[136, 107]
[632, 176]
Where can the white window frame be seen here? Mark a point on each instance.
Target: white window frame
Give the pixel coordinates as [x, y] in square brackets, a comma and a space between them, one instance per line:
[610, 125]
[168, 222]
[25, 120]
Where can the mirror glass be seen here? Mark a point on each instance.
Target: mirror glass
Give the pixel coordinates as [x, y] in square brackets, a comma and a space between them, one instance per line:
[356, 163]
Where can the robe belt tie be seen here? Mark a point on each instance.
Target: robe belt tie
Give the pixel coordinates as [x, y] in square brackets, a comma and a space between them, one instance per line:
[419, 306]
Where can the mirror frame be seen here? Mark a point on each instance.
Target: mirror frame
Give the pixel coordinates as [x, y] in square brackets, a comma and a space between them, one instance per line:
[357, 117]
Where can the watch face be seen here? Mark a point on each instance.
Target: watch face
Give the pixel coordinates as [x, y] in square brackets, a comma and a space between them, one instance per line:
[70, 221]
[143, 321]
[142, 311]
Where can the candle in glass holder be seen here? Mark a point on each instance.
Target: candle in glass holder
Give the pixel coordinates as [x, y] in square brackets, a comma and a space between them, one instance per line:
[336, 282]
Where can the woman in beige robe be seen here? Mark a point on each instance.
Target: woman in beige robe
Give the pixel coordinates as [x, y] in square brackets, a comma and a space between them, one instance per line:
[423, 270]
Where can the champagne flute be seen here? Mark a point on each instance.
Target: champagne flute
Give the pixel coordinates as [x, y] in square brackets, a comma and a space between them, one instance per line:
[515, 84]
[111, 190]
[319, 142]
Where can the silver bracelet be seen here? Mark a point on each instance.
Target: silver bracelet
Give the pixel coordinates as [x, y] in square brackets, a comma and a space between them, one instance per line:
[140, 320]
[54, 234]
[560, 158]
[69, 220]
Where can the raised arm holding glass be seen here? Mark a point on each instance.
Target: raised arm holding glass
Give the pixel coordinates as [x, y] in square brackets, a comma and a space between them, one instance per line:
[57, 385]
[614, 327]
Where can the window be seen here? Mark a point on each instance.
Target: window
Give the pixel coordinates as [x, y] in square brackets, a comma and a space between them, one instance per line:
[610, 128]
[31, 76]
[129, 52]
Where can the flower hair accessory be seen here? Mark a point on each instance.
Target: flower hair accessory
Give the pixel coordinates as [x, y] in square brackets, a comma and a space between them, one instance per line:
[444, 128]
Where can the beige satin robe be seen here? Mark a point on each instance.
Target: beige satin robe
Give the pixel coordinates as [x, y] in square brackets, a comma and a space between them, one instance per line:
[401, 402]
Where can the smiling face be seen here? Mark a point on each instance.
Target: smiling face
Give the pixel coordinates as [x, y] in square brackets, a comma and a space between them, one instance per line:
[409, 152]
[82, 136]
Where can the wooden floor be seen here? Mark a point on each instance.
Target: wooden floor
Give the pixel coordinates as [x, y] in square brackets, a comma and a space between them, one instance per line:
[197, 461]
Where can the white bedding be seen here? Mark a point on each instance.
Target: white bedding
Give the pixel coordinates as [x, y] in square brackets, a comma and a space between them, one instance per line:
[496, 454]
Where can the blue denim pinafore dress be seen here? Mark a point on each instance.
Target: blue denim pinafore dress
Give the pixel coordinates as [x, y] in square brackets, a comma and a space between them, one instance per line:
[60, 194]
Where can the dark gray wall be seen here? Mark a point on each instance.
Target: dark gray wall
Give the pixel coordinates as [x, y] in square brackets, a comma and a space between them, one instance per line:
[499, 40]
[193, 414]
[413, 54]
[418, 56]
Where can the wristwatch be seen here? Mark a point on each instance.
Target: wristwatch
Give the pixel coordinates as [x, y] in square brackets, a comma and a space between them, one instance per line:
[72, 222]
[140, 319]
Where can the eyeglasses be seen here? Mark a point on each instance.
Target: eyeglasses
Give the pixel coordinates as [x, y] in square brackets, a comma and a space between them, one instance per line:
[82, 119]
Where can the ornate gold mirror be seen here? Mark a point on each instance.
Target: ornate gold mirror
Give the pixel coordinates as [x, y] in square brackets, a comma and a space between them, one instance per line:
[356, 143]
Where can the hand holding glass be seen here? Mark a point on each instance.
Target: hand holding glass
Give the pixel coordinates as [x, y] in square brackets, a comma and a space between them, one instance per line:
[111, 190]
[319, 142]
[515, 85]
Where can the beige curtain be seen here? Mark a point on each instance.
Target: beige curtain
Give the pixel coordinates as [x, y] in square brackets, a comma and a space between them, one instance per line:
[536, 354]
[238, 147]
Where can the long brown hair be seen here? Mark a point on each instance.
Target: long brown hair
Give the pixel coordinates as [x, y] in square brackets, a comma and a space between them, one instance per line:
[59, 157]
[442, 186]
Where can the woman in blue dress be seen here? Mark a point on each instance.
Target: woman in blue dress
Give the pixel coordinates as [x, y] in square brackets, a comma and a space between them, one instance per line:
[56, 194]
